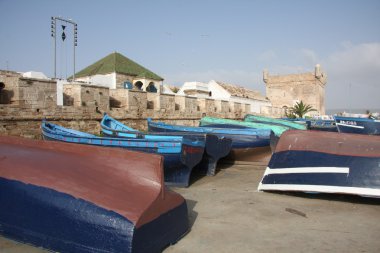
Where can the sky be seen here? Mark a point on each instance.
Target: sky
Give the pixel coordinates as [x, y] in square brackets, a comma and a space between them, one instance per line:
[231, 41]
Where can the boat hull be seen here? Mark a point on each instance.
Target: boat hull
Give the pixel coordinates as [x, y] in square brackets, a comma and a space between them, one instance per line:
[277, 129]
[279, 122]
[70, 198]
[245, 147]
[179, 157]
[217, 145]
[357, 125]
[324, 162]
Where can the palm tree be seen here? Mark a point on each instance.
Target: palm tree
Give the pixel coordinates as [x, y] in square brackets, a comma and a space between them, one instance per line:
[300, 109]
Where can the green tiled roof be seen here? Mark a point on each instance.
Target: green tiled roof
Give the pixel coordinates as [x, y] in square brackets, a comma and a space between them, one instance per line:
[120, 64]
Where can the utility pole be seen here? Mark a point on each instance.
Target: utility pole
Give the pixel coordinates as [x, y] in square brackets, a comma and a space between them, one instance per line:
[54, 35]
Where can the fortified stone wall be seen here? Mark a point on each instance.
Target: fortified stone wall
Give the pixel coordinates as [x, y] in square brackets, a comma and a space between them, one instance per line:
[84, 106]
[9, 87]
[121, 78]
[186, 104]
[286, 90]
[36, 93]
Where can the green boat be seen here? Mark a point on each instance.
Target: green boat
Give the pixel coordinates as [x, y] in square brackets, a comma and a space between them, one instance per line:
[280, 122]
[229, 123]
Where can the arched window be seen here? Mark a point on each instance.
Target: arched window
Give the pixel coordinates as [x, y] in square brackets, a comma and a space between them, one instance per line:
[151, 88]
[128, 85]
[138, 85]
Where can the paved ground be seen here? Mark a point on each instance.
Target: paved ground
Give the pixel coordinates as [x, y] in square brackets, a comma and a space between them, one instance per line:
[227, 214]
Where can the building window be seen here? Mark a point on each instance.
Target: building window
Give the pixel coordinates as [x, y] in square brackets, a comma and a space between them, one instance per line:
[151, 88]
[127, 85]
[139, 85]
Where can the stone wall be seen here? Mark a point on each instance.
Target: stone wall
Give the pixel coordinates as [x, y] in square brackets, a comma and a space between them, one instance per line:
[9, 91]
[86, 95]
[121, 78]
[286, 90]
[84, 106]
[186, 104]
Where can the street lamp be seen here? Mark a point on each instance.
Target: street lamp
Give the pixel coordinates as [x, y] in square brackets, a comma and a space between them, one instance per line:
[54, 35]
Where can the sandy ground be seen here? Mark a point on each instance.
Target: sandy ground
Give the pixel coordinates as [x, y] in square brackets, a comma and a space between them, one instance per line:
[227, 214]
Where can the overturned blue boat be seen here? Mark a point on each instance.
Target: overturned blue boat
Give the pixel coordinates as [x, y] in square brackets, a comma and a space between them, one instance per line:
[274, 121]
[316, 124]
[357, 125]
[215, 147]
[181, 154]
[248, 144]
[324, 162]
[79, 198]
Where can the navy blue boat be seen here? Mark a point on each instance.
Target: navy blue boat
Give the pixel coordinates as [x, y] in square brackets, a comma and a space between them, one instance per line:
[215, 147]
[181, 154]
[248, 144]
[357, 125]
[324, 162]
[86, 199]
[316, 124]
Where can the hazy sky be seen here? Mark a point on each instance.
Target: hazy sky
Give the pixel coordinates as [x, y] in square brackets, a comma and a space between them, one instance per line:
[200, 40]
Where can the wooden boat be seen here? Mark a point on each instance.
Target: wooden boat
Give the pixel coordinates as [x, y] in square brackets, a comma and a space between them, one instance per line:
[357, 125]
[181, 154]
[228, 123]
[322, 125]
[316, 124]
[324, 162]
[215, 147]
[280, 122]
[248, 144]
[79, 198]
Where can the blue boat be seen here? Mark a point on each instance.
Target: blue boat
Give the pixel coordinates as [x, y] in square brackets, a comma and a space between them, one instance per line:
[324, 162]
[66, 197]
[357, 125]
[316, 124]
[215, 147]
[248, 144]
[181, 154]
[273, 121]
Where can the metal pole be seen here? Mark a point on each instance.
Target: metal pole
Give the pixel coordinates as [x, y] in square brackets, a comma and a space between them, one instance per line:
[55, 42]
[74, 52]
[55, 48]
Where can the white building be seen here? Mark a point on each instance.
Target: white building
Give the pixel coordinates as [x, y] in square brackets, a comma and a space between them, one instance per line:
[116, 71]
[228, 92]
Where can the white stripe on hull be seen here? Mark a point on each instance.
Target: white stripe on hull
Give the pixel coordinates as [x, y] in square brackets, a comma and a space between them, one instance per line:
[341, 124]
[370, 192]
[269, 171]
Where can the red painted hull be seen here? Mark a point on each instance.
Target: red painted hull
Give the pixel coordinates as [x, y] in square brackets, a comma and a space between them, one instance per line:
[120, 183]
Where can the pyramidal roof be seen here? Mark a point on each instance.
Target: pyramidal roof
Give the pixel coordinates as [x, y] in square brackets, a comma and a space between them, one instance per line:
[120, 64]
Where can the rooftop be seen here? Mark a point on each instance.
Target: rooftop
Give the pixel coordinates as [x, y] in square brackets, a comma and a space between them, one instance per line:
[117, 63]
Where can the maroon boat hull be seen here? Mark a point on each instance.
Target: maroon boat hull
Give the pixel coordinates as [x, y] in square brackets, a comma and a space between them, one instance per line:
[95, 185]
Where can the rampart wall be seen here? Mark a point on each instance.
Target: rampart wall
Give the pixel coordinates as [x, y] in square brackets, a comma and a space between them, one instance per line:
[26, 102]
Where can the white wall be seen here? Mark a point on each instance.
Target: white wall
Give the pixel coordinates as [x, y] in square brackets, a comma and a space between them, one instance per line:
[194, 86]
[60, 84]
[218, 92]
[108, 80]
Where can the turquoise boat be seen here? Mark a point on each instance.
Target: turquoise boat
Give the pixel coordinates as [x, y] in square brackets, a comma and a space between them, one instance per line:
[229, 123]
[280, 122]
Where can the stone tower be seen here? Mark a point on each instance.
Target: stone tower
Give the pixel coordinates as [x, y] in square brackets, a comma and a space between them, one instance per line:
[285, 90]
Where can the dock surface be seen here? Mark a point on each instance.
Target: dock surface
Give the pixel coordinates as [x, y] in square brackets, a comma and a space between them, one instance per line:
[227, 214]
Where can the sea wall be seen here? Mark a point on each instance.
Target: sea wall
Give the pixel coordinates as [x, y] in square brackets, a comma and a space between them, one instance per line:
[25, 102]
